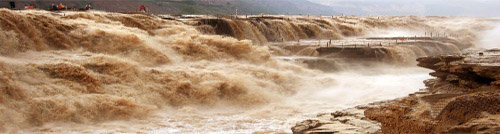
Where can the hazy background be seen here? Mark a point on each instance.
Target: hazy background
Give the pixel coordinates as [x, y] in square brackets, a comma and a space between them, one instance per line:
[477, 8]
[480, 8]
[227, 7]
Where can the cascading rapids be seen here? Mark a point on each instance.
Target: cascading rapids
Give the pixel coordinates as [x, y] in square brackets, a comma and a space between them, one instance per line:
[86, 67]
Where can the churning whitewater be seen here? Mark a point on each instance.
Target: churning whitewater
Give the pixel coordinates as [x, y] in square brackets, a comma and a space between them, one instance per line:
[99, 72]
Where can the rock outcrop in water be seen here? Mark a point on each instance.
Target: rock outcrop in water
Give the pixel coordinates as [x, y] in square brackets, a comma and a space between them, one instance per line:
[265, 29]
[339, 58]
[399, 53]
[463, 98]
[345, 121]
[285, 33]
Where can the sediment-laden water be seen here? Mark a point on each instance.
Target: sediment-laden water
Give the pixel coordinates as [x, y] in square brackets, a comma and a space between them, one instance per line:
[98, 72]
[351, 88]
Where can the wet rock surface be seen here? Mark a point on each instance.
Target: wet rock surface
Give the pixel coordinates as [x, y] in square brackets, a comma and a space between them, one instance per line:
[463, 98]
[345, 121]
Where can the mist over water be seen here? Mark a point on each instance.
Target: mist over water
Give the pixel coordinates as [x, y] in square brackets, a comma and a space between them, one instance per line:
[350, 88]
[97, 72]
[490, 39]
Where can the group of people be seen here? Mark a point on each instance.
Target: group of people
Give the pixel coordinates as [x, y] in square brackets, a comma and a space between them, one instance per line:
[30, 7]
[61, 6]
[52, 7]
[13, 5]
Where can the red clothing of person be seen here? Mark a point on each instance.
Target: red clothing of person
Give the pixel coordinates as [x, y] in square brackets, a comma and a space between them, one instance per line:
[142, 8]
[60, 6]
[29, 7]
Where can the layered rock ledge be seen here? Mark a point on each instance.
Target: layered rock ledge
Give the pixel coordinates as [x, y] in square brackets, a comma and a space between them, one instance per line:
[463, 98]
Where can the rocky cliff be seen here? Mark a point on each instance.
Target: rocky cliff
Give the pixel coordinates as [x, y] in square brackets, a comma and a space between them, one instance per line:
[463, 98]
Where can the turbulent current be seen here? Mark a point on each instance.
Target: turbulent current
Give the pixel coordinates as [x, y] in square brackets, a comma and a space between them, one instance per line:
[98, 72]
[350, 89]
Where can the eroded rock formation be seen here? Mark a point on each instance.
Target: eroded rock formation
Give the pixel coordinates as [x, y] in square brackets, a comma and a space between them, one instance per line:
[463, 98]
[346, 121]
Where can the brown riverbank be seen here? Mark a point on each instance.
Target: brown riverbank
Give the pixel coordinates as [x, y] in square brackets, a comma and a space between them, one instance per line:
[463, 98]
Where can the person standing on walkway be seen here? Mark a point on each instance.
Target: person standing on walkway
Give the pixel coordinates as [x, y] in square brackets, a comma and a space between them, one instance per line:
[12, 4]
[60, 6]
[143, 8]
[88, 7]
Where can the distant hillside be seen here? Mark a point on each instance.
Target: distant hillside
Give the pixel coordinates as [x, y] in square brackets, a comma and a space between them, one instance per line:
[284, 7]
[481, 8]
[192, 6]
